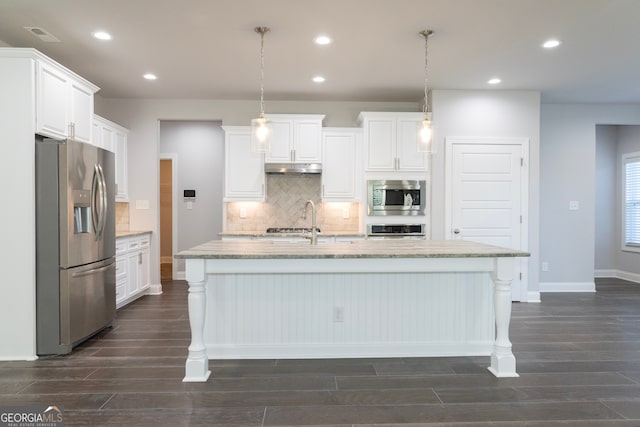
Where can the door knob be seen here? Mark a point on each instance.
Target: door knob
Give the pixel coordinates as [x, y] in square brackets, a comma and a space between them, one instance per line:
[456, 231]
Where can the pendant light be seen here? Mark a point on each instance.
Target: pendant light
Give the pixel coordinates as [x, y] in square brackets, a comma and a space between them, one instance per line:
[425, 140]
[261, 127]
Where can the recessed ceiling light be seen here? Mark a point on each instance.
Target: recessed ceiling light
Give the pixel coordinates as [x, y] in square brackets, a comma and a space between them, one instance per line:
[101, 35]
[494, 81]
[318, 79]
[322, 40]
[150, 76]
[551, 43]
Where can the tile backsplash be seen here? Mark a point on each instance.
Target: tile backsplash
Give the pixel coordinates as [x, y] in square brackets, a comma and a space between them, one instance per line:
[285, 201]
[122, 216]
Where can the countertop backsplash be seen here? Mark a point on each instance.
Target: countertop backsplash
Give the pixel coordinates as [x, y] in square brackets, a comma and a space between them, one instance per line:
[122, 216]
[285, 202]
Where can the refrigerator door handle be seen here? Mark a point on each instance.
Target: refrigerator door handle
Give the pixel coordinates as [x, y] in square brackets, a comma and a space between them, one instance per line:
[103, 203]
[95, 214]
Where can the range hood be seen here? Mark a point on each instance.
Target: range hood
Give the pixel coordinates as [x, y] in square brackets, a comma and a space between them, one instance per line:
[293, 168]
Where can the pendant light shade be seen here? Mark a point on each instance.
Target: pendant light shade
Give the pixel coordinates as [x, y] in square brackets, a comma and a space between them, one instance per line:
[261, 127]
[426, 141]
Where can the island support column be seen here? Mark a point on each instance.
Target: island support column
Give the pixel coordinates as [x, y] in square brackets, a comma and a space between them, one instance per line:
[503, 362]
[197, 365]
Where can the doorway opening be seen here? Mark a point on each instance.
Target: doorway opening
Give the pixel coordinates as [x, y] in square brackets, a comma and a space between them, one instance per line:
[167, 175]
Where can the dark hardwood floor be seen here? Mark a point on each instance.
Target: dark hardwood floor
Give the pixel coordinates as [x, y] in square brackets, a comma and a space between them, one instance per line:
[578, 357]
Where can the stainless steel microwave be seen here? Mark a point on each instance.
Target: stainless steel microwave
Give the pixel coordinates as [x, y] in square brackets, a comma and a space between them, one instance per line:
[396, 197]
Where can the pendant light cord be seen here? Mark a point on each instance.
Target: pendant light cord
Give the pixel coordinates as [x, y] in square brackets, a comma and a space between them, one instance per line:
[426, 34]
[262, 31]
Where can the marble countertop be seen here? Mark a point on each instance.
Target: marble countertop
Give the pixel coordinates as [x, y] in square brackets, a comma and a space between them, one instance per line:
[270, 249]
[130, 233]
[262, 233]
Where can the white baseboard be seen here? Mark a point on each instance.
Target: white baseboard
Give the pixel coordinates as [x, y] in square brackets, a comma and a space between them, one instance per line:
[618, 274]
[533, 296]
[567, 287]
[347, 350]
[154, 289]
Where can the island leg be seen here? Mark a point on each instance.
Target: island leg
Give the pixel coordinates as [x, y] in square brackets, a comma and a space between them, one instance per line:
[197, 365]
[503, 362]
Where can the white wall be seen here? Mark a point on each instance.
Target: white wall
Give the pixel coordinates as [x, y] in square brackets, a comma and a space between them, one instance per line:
[17, 216]
[199, 147]
[568, 172]
[459, 113]
[607, 209]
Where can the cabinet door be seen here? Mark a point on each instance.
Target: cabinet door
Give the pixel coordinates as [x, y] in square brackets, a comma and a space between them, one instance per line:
[133, 272]
[409, 159]
[307, 146]
[80, 111]
[144, 267]
[106, 138]
[339, 168]
[243, 170]
[281, 142]
[380, 144]
[51, 102]
[96, 134]
[122, 175]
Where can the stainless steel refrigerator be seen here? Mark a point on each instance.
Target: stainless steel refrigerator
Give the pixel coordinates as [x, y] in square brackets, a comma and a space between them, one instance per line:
[75, 243]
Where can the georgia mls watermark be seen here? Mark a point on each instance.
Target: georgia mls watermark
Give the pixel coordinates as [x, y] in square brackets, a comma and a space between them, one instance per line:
[32, 416]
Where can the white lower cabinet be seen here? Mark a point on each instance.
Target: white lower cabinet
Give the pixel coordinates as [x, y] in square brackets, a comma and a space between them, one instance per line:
[133, 268]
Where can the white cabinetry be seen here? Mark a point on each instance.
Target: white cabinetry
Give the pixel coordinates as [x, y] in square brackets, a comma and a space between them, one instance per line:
[391, 141]
[243, 170]
[64, 102]
[133, 268]
[296, 138]
[341, 175]
[113, 137]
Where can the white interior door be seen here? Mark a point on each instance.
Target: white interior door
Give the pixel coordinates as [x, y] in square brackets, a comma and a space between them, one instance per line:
[487, 196]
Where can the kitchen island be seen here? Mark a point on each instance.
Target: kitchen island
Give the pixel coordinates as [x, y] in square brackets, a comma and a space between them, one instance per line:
[367, 298]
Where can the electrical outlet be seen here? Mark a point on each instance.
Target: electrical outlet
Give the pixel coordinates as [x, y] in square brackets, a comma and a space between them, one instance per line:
[545, 266]
[243, 212]
[574, 205]
[338, 314]
[345, 213]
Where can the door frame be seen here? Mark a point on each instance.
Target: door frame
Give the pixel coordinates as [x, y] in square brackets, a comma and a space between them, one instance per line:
[174, 207]
[523, 142]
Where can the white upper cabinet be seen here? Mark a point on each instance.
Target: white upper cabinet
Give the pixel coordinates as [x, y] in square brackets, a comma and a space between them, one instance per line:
[391, 141]
[296, 138]
[120, 137]
[64, 102]
[341, 174]
[113, 137]
[243, 170]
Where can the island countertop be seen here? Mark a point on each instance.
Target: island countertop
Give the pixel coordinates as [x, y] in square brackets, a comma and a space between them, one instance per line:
[257, 249]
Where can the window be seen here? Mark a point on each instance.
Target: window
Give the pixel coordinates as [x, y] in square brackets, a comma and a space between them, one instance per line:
[631, 219]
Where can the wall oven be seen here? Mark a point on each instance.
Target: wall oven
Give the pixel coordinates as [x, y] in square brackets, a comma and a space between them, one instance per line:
[396, 197]
[404, 231]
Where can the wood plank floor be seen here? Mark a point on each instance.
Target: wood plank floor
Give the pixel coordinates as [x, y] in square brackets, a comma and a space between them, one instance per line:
[578, 356]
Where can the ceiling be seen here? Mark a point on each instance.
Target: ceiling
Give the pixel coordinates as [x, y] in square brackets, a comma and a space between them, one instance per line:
[208, 49]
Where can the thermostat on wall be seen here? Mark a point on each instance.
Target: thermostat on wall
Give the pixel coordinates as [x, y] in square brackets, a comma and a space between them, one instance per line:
[190, 194]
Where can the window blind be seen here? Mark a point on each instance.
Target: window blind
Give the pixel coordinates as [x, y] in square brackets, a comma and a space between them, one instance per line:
[632, 199]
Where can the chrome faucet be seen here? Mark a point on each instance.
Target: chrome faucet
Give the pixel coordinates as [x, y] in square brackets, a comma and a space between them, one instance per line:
[314, 228]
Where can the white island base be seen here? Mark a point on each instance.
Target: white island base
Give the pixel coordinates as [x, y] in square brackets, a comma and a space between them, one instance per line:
[302, 306]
